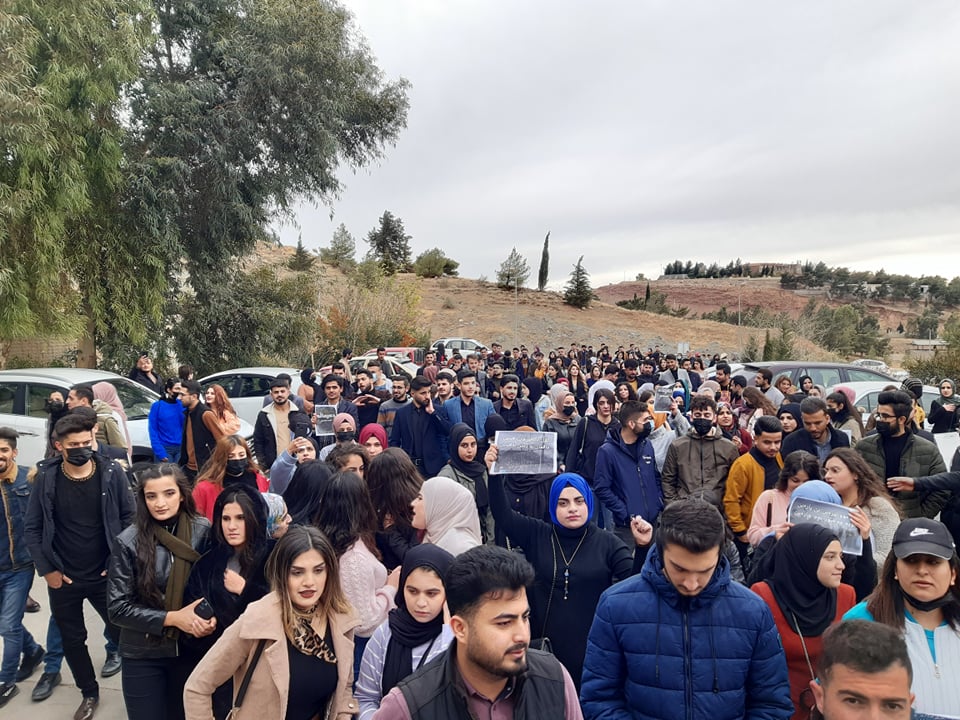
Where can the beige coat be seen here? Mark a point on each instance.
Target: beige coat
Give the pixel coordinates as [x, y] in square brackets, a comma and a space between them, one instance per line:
[269, 686]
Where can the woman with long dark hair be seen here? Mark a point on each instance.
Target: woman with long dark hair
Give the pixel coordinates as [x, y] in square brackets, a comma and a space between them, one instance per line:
[578, 386]
[148, 573]
[918, 595]
[770, 509]
[347, 518]
[306, 489]
[727, 422]
[231, 575]
[755, 405]
[304, 630]
[845, 416]
[230, 464]
[394, 481]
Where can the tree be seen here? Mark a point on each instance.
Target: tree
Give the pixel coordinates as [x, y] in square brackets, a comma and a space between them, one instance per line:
[578, 292]
[433, 263]
[544, 264]
[62, 179]
[302, 261]
[390, 244]
[513, 272]
[769, 347]
[340, 254]
[242, 108]
[751, 351]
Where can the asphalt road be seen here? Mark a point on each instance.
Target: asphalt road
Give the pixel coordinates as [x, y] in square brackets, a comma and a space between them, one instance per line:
[65, 699]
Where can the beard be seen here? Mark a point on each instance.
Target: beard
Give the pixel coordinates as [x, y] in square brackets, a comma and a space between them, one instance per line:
[498, 665]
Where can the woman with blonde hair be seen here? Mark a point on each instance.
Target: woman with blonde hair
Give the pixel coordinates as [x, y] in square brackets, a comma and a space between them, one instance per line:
[219, 404]
[292, 650]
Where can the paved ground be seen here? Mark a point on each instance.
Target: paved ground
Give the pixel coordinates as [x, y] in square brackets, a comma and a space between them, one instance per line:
[66, 697]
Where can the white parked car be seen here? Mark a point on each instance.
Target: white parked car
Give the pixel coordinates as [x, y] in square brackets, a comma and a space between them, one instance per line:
[247, 387]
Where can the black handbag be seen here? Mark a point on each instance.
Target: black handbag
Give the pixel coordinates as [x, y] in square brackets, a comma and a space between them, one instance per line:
[246, 679]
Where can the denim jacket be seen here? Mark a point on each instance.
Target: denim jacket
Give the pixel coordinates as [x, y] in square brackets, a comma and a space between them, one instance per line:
[13, 549]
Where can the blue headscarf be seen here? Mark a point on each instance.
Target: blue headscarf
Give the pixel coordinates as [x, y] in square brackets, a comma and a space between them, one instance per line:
[816, 490]
[572, 480]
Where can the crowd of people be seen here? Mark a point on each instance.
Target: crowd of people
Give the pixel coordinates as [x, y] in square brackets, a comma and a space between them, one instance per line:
[365, 556]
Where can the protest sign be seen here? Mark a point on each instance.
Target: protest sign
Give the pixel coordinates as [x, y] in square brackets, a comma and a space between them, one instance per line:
[828, 515]
[663, 399]
[325, 415]
[525, 453]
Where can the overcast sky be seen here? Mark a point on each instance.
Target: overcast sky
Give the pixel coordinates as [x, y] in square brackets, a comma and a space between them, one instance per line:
[639, 132]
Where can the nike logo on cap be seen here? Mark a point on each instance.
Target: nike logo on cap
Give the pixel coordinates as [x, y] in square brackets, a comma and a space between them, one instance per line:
[919, 531]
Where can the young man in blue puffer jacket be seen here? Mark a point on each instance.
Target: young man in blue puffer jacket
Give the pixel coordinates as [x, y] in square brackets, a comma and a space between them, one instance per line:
[680, 640]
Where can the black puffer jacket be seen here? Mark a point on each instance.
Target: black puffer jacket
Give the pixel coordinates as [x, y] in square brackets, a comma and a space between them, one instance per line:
[141, 626]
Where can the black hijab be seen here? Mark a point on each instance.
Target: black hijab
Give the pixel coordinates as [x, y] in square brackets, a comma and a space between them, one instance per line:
[475, 469]
[406, 632]
[535, 386]
[807, 605]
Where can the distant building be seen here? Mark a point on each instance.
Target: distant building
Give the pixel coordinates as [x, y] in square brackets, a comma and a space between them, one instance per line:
[773, 268]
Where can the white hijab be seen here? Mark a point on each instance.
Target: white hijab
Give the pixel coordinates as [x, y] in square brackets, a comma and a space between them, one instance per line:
[451, 516]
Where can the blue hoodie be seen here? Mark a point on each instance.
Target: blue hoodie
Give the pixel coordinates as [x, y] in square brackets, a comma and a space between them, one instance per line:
[627, 483]
[165, 423]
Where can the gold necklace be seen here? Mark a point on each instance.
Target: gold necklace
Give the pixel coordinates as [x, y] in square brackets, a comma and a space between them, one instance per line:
[566, 563]
[81, 479]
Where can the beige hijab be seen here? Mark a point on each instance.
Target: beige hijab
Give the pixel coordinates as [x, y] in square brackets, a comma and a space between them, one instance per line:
[451, 515]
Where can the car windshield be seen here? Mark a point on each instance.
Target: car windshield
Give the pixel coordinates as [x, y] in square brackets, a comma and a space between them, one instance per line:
[135, 398]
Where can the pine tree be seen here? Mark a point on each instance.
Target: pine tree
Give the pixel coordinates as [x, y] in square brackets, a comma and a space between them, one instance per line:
[646, 295]
[578, 292]
[302, 260]
[390, 244]
[513, 271]
[544, 264]
[769, 347]
[341, 251]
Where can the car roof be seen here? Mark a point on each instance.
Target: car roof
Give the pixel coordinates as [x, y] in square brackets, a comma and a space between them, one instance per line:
[259, 370]
[67, 376]
[865, 386]
[798, 363]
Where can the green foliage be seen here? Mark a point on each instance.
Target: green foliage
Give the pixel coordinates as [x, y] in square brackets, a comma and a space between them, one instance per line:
[302, 260]
[578, 292]
[926, 326]
[944, 364]
[244, 314]
[433, 263]
[341, 252]
[368, 274]
[751, 351]
[769, 349]
[246, 106]
[544, 271]
[390, 245]
[848, 329]
[699, 270]
[951, 331]
[390, 316]
[655, 302]
[513, 272]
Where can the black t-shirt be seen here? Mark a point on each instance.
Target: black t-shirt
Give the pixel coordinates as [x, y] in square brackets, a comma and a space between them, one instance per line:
[892, 451]
[468, 414]
[80, 540]
[313, 681]
[367, 412]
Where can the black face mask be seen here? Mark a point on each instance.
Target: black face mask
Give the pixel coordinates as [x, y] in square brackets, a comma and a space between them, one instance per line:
[833, 413]
[702, 425]
[345, 436]
[644, 431]
[79, 456]
[884, 427]
[928, 605]
[237, 467]
[568, 410]
[53, 406]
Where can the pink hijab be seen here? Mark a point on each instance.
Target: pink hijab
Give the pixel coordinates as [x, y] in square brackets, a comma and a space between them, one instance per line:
[108, 393]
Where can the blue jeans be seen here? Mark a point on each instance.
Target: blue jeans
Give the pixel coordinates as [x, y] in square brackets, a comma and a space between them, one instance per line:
[53, 658]
[17, 641]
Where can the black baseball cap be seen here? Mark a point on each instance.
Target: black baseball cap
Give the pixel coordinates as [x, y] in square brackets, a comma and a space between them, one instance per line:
[922, 536]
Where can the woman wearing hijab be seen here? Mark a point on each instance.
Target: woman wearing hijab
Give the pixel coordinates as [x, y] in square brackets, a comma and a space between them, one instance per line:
[860, 570]
[574, 561]
[447, 513]
[805, 595]
[943, 410]
[562, 418]
[374, 438]
[111, 416]
[345, 432]
[415, 631]
[469, 471]
[536, 397]
[789, 415]
[727, 422]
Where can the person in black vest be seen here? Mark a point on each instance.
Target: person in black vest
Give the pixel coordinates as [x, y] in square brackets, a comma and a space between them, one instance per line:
[200, 432]
[489, 663]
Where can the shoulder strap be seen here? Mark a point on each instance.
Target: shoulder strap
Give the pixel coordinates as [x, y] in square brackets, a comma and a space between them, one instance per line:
[249, 673]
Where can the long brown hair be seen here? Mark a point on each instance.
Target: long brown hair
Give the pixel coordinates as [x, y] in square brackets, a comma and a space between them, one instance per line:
[148, 590]
[757, 399]
[394, 482]
[886, 604]
[221, 403]
[295, 542]
[216, 467]
[869, 485]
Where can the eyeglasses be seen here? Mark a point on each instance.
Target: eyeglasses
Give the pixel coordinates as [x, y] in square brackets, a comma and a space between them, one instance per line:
[885, 417]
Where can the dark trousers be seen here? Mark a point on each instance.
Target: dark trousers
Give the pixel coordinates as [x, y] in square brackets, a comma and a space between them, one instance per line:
[66, 605]
[153, 687]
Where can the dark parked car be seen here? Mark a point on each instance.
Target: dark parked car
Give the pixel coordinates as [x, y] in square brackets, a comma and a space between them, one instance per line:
[824, 374]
